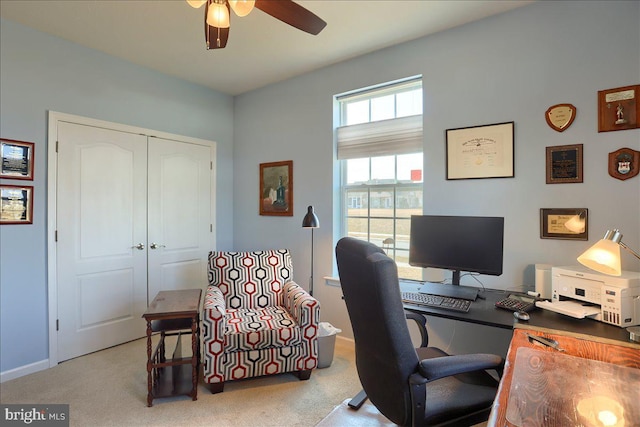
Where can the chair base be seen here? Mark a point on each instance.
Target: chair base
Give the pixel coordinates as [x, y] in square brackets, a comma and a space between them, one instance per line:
[304, 374]
[216, 387]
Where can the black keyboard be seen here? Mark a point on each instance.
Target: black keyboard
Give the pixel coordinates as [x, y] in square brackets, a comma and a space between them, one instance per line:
[436, 301]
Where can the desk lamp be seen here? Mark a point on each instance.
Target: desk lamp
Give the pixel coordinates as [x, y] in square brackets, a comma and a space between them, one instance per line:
[311, 221]
[604, 256]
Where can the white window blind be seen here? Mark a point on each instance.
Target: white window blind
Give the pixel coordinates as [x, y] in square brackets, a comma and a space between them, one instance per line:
[385, 137]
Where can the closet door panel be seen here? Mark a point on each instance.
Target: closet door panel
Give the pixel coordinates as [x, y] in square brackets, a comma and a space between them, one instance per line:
[179, 226]
[101, 217]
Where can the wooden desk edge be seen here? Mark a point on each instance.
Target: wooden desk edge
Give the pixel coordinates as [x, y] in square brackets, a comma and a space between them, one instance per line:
[578, 335]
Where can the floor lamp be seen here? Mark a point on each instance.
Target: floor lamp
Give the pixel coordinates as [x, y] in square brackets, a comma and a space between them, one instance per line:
[311, 221]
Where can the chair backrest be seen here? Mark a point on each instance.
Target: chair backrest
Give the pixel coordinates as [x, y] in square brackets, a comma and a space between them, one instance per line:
[251, 279]
[385, 354]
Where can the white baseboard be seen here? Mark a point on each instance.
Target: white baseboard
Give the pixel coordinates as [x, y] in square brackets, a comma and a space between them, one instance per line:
[24, 370]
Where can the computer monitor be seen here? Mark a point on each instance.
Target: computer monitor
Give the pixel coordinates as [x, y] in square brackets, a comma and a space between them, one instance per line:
[458, 243]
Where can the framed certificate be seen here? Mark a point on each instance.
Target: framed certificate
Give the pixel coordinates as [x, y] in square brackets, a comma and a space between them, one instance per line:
[16, 159]
[569, 224]
[480, 152]
[16, 204]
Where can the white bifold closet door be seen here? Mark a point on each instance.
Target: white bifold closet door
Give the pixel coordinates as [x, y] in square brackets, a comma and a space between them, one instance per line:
[133, 218]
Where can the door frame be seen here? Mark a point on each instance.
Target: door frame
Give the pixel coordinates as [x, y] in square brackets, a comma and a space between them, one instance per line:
[52, 172]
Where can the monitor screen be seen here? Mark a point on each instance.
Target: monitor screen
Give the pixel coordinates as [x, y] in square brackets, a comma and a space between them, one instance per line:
[458, 243]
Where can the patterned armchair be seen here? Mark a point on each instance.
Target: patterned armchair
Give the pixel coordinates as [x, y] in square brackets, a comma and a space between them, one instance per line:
[257, 320]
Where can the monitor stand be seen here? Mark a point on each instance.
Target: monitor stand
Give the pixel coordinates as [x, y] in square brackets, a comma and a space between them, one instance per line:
[451, 291]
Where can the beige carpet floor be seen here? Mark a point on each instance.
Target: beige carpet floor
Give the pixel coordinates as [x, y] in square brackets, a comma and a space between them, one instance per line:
[109, 388]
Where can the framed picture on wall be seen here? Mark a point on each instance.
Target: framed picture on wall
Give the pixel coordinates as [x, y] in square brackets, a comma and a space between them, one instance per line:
[570, 224]
[564, 164]
[480, 151]
[16, 204]
[16, 159]
[276, 188]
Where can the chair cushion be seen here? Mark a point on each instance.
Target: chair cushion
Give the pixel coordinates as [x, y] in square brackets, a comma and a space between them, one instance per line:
[259, 328]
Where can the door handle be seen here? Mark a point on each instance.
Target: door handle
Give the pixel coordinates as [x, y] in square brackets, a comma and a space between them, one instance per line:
[156, 246]
[139, 247]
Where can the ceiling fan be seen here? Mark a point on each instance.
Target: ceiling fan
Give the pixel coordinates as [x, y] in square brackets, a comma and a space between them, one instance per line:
[217, 15]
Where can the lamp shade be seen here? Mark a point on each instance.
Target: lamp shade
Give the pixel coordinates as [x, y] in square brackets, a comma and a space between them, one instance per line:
[196, 3]
[242, 7]
[604, 256]
[218, 15]
[310, 220]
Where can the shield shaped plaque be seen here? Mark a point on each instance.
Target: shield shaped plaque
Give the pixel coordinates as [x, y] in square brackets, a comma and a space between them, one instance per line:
[559, 117]
[624, 163]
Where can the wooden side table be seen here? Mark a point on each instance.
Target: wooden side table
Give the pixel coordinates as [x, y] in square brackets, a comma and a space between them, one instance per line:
[173, 313]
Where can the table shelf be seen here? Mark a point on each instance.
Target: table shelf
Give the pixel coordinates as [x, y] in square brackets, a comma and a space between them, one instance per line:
[173, 313]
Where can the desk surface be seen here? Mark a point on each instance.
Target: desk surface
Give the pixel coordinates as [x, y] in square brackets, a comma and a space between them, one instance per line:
[532, 392]
[484, 312]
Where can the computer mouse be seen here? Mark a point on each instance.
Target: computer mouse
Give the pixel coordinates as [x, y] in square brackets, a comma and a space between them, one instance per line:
[521, 315]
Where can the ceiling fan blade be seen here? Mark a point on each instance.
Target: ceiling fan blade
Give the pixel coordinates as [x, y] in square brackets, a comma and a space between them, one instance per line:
[216, 38]
[293, 14]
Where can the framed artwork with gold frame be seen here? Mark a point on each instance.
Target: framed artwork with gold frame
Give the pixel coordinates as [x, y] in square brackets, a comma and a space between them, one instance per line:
[276, 188]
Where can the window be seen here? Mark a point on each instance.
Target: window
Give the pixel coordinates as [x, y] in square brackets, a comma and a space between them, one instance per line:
[380, 150]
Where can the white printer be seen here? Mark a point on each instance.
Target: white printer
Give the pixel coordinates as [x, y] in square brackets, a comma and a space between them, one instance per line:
[580, 292]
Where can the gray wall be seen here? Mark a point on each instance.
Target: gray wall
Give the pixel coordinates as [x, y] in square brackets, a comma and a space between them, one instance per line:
[40, 73]
[511, 67]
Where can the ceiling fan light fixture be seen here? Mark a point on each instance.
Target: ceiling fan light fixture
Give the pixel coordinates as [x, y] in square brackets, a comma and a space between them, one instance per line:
[196, 3]
[242, 7]
[218, 15]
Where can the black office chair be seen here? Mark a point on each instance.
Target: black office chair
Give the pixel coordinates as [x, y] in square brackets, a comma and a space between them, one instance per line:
[409, 386]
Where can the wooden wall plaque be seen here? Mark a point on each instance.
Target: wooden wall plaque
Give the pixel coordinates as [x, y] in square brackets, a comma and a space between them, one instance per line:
[618, 108]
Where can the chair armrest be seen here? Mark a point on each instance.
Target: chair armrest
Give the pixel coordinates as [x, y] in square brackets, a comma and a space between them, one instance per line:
[440, 367]
[214, 300]
[302, 306]
[422, 326]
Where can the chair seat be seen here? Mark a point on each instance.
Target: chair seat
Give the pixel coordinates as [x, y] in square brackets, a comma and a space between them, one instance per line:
[260, 328]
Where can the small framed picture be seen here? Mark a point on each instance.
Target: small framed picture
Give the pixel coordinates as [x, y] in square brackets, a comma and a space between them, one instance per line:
[17, 159]
[16, 204]
[276, 188]
[564, 164]
[570, 224]
[480, 151]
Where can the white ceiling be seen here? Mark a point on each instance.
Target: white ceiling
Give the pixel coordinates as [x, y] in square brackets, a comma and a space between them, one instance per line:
[168, 35]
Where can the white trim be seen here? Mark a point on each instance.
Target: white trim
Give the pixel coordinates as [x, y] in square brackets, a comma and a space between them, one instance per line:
[21, 371]
[52, 168]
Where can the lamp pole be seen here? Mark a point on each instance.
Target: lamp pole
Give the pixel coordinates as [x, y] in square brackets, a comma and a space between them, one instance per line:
[311, 221]
[311, 278]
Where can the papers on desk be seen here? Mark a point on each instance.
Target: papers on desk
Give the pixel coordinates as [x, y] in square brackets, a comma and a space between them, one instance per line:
[570, 308]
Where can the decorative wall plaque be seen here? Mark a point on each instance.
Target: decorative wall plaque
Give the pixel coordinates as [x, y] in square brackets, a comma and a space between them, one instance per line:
[624, 163]
[564, 164]
[618, 108]
[559, 117]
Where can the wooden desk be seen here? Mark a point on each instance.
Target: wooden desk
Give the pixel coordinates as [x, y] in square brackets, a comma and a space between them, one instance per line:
[553, 395]
[172, 313]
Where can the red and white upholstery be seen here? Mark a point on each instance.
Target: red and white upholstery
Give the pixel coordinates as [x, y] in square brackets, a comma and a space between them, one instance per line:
[257, 320]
